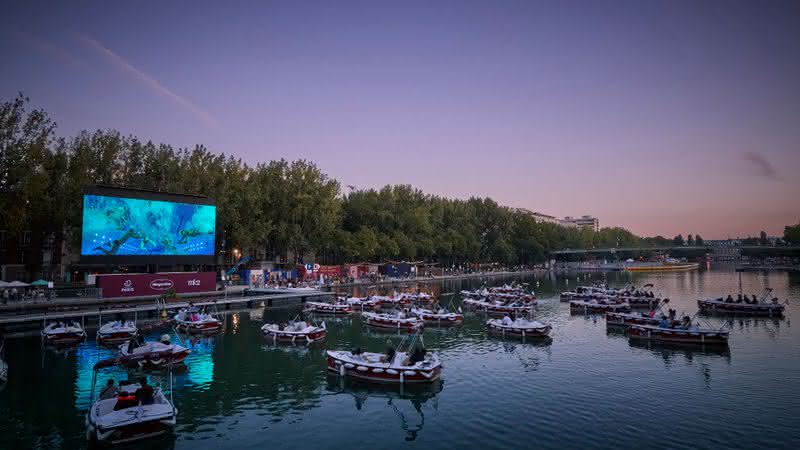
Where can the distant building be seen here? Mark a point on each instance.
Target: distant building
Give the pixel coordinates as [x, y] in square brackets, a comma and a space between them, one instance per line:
[582, 222]
[540, 217]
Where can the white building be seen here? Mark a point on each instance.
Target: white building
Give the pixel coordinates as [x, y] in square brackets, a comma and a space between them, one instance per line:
[583, 222]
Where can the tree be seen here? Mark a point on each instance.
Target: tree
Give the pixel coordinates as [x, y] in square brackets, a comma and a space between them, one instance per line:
[690, 240]
[677, 240]
[698, 240]
[762, 240]
[791, 234]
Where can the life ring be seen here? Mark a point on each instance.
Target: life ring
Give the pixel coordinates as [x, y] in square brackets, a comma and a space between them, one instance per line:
[349, 365]
[362, 369]
[377, 370]
[392, 372]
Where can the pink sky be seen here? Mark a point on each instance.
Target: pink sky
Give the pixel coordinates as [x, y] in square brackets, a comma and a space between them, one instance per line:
[664, 118]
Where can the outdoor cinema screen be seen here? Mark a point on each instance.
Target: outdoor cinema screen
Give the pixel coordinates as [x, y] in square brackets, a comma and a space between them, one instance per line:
[146, 229]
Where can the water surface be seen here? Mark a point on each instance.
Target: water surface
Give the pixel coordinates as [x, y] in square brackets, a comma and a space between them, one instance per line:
[586, 388]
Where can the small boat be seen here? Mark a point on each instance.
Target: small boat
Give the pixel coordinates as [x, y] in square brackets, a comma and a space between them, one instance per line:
[328, 308]
[627, 319]
[585, 307]
[117, 332]
[763, 306]
[152, 355]
[193, 321]
[362, 303]
[520, 328]
[392, 322]
[295, 332]
[122, 418]
[62, 334]
[683, 335]
[376, 367]
[440, 317]
[498, 308]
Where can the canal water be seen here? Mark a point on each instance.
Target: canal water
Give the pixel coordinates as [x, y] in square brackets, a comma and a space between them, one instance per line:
[586, 388]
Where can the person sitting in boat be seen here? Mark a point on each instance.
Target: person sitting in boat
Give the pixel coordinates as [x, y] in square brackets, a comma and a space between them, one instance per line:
[389, 356]
[165, 339]
[507, 320]
[110, 390]
[418, 355]
[687, 322]
[739, 299]
[652, 313]
[664, 323]
[729, 299]
[144, 395]
[755, 299]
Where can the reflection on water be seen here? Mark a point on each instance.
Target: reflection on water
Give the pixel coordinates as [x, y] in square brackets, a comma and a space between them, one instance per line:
[240, 390]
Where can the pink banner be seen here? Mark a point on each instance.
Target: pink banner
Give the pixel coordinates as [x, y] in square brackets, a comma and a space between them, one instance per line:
[150, 284]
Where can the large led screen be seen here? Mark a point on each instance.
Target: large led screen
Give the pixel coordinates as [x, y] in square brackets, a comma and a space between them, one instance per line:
[136, 227]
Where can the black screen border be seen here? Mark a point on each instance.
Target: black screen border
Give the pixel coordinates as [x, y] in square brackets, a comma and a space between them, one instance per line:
[142, 194]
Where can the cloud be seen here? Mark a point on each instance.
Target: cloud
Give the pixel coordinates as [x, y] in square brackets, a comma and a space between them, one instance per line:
[760, 165]
[148, 81]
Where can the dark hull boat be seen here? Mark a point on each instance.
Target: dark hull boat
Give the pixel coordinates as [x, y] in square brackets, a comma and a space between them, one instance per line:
[691, 335]
[719, 306]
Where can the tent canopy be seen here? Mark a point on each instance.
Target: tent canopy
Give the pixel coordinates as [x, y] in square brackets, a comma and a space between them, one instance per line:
[14, 284]
[39, 283]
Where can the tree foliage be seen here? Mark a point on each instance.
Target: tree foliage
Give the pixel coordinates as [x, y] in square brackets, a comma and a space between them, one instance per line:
[276, 208]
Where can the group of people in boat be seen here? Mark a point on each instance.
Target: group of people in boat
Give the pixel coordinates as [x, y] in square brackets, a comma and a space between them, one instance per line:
[139, 342]
[417, 355]
[144, 394]
[193, 314]
[741, 299]
[637, 293]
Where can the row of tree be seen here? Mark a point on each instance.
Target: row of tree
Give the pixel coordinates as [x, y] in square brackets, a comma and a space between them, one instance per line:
[690, 240]
[278, 208]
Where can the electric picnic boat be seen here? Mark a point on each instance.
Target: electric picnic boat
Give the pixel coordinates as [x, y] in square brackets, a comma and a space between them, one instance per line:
[763, 306]
[622, 319]
[152, 354]
[597, 306]
[123, 419]
[679, 334]
[401, 367]
[295, 332]
[395, 322]
[116, 332]
[192, 321]
[518, 328]
[339, 308]
[362, 303]
[63, 334]
[441, 317]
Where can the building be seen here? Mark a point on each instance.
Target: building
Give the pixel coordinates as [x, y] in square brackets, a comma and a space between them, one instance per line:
[540, 217]
[582, 222]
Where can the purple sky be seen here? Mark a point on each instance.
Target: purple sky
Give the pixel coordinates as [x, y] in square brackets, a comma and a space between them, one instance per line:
[662, 117]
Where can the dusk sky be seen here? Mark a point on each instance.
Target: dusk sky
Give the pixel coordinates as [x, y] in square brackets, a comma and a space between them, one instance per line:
[661, 117]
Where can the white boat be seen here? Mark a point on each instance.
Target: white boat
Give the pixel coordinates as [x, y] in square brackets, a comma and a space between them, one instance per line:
[438, 317]
[123, 418]
[521, 328]
[117, 332]
[152, 355]
[295, 332]
[61, 333]
[392, 322]
[194, 322]
[375, 368]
